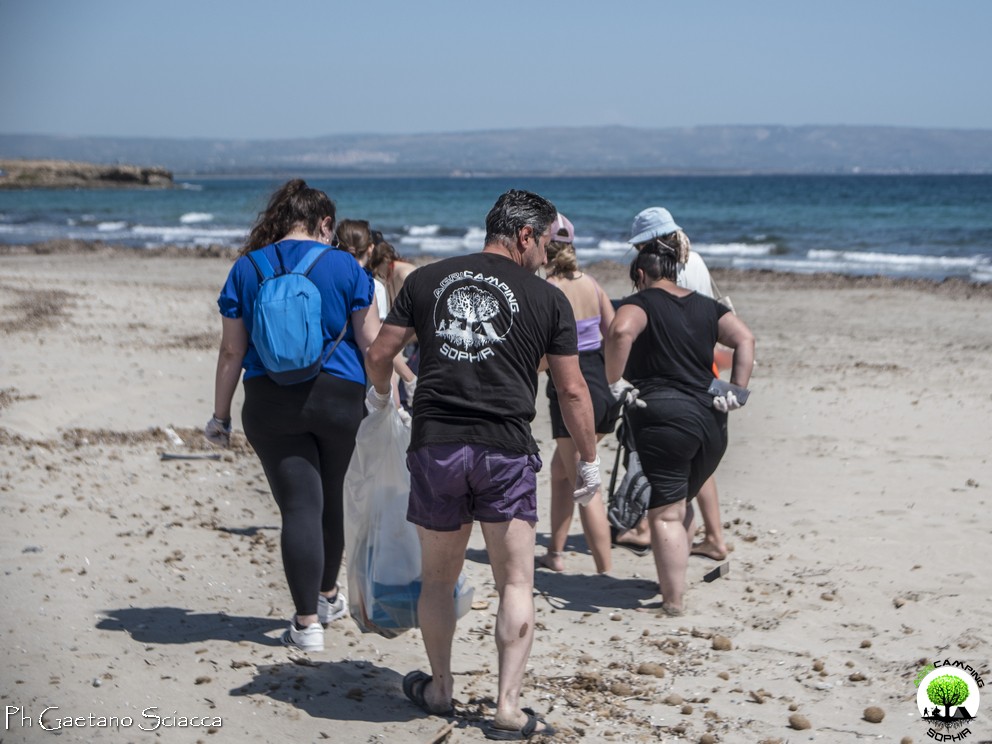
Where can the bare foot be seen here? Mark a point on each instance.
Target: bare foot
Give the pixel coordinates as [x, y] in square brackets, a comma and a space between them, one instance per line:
[709, 550]
[633, 537]
[667, 609]
[552, 560]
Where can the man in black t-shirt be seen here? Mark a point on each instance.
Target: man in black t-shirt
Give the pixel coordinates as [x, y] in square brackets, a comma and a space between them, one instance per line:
[484, 322]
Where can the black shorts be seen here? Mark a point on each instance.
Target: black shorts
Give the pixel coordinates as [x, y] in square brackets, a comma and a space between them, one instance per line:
[680, 442]
[605, 411]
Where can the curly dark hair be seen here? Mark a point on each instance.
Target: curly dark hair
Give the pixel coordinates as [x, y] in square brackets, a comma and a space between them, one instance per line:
[294, 204]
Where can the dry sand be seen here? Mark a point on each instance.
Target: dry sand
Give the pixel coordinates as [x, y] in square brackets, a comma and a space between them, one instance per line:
[855, 492]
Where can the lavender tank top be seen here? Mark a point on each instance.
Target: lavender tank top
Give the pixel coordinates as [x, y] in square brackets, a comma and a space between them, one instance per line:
[588, 332]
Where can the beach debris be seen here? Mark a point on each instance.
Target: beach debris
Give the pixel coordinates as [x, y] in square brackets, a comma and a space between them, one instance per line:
[857, 677]
[173, 437]
[480, 604]
[707, 739]
[32, 549]
[722, 570]
[672, 699]
[898, 602]
[651, 668]
[874, 714]
[686, 710]
[621, 689]
[866, 644]
[799, 722]
[442, 734]
[818, 665]
[721, 643]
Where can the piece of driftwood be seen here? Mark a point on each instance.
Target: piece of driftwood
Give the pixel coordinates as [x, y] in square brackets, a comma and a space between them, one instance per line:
[191, 456]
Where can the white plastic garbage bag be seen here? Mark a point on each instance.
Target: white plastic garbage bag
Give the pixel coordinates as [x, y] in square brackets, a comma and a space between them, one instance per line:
[383, 550]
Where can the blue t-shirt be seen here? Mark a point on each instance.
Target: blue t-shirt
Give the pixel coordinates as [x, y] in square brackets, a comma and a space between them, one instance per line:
[344, 288]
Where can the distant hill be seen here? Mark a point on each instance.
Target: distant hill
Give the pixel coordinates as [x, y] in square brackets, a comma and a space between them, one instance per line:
[550, 151]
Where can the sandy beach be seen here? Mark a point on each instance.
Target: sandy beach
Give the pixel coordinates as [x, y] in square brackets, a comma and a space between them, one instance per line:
[144, 597]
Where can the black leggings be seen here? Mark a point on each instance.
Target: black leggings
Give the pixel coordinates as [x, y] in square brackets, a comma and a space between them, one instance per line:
[304, 435]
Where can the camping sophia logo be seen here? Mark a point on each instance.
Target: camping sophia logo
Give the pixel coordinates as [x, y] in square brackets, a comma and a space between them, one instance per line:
[947, 696]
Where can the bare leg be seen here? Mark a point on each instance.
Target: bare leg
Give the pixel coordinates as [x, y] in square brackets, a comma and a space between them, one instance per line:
[442, 556]
[562, 506]
[511, 550]
[670, 543]
[595, 526]
[713, 545]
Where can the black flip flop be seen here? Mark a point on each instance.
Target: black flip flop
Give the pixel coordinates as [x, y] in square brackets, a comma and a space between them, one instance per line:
[414, 685]
[526, 731]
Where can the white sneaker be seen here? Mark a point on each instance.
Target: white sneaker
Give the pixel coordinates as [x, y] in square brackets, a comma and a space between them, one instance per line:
[329, 610]
[311, 638]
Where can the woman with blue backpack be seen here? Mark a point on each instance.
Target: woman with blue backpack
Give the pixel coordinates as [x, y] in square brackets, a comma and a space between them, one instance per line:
[298, 316]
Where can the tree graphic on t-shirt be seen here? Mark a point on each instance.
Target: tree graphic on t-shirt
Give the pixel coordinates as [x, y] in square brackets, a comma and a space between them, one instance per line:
[947, 690]
[471, 309]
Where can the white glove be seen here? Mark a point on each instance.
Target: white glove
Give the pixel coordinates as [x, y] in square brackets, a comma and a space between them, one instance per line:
[409, 388]
[587, 482]
[625, 393]
[405, 417]
[218, 432]
[726, 403]
[376, 401]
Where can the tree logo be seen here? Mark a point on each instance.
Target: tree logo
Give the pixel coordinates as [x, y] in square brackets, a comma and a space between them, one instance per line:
[947, 696]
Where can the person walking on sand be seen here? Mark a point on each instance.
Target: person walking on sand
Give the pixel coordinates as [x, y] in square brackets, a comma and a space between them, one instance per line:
[662, 341]
[593, 315]
[355, 236]
[484, 322]
[391, 271]
[650, 224]
[303, 433]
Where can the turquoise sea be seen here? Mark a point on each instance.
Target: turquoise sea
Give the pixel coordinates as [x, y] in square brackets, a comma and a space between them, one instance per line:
[902, 226]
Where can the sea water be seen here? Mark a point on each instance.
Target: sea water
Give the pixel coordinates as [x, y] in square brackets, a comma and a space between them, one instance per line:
[902, 226]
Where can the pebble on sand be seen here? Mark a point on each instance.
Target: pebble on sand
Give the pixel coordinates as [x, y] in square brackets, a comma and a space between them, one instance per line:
[874, 714]
[651, 668]
[721, 643]
[799, 722]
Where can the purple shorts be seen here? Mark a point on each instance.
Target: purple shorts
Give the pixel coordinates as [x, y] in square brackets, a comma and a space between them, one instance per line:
[454, 484]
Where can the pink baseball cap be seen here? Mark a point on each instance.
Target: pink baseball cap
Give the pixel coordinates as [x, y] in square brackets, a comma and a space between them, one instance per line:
[562, 230]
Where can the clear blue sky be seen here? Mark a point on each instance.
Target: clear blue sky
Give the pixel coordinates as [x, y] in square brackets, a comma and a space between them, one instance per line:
[254, 69]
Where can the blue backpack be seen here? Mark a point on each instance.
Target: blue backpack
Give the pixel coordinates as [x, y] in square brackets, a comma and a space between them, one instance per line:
[286, 325]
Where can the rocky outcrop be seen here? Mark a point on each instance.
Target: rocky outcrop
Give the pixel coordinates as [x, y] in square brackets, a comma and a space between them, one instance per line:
[66, 174]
